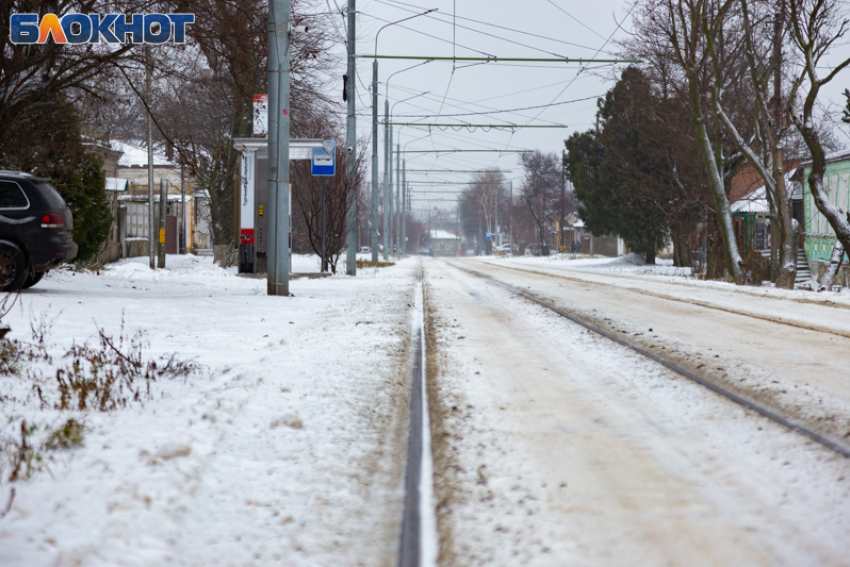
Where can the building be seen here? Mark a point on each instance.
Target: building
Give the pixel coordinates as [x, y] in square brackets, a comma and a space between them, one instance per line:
[818, 235]
[444, 243]
[187, 211]
[101, 147]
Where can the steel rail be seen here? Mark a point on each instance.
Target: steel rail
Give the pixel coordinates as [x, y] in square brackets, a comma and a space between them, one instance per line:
[411, 545]
[696, 302]
[740, 400]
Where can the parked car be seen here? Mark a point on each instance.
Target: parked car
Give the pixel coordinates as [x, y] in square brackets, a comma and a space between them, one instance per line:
[36, 230]
[508, 248]
[365, 250]
[533, 250]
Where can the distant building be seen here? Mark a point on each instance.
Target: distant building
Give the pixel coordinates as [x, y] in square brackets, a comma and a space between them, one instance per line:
[193, 206]
[444, 243]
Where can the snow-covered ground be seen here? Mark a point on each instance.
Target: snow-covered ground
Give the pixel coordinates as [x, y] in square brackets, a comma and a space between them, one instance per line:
[788, 349]
[285, 447]
[634, 266]
[554, 446]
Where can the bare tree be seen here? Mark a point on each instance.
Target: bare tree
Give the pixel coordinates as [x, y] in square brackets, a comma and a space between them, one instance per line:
[816, 26]
[541, 189]
[680, 27]
[763, 151]
[307, 202]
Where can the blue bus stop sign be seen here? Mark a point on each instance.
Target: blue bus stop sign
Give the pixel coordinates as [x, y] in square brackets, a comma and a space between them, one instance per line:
[322, 163]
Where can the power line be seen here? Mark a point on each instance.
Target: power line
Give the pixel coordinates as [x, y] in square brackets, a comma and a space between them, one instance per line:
[496, 59]
[436, 17]
[458, 151]
[507, 111]
[423, 33]
[454, 25]
[577, 20]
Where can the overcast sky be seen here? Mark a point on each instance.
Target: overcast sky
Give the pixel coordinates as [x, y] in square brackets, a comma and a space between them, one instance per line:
[528, 29]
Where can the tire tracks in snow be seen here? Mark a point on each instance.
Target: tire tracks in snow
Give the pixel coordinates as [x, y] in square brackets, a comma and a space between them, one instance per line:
[793, 423]
[698, 303]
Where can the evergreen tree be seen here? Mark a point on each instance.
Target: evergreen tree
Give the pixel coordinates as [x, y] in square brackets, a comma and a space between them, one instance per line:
[53, 148]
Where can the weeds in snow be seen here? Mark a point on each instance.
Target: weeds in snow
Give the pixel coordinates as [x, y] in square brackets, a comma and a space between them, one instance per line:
[107, 374]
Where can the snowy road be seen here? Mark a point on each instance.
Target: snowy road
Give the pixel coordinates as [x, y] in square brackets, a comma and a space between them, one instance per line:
[790, 355]
[554, 446]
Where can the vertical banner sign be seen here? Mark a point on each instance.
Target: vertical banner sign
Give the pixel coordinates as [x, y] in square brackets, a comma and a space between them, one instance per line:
[246, 198]
[261, 114]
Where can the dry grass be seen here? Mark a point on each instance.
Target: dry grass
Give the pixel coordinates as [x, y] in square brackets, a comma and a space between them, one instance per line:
[371, 264]
[107, 375]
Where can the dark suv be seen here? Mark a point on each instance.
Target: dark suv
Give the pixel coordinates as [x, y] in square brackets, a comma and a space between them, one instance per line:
[36, 230]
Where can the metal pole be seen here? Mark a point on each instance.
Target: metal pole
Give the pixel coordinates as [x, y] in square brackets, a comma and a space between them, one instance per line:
[387, 169]
[324, 254]
[390, 167]
[151, 205]
[458, 241]
[563, 198]
[351, 143]
[404, 193]
[375, 161]
[511, 215]
[163, 210]
[278, 228]
[496, 207]
[397, 227]
[182, 209]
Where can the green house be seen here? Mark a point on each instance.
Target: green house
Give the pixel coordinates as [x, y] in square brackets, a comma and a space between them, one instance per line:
[819, 235]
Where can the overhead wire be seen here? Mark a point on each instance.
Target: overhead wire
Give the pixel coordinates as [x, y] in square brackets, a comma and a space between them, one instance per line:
[437, 17]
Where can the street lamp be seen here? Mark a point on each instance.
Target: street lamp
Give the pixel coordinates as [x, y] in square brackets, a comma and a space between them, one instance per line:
[375, 140]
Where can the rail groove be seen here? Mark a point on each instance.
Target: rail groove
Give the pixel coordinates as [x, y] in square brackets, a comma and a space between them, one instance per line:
[698, 303]
[749, 404]
[418, 526]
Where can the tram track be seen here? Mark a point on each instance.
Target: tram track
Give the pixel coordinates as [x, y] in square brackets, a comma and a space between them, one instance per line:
[818, 301]
[418, 542]
[768, 412]
[773, 319]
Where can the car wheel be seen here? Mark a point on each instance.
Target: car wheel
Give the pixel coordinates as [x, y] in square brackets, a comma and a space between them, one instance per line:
[32, 279]
[13, 266]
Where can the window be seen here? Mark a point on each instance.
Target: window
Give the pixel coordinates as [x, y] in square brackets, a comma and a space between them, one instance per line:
[12, 196]
[53, 193]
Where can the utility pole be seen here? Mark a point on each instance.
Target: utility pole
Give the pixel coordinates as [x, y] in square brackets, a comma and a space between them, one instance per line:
[151, 205]
[511, 216]
[163, 210]
[563, 198]
[458, 241]
[279, 191]
[397, 225]
[404, 193]
[375, 160]
[387, 170]
[182, 249]
[496, 223]
[351, 147]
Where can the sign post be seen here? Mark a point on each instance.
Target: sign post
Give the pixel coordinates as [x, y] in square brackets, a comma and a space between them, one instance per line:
[323, 164]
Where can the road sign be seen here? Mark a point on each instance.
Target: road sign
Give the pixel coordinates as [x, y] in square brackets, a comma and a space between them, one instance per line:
[322, 162]
[489, 235]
